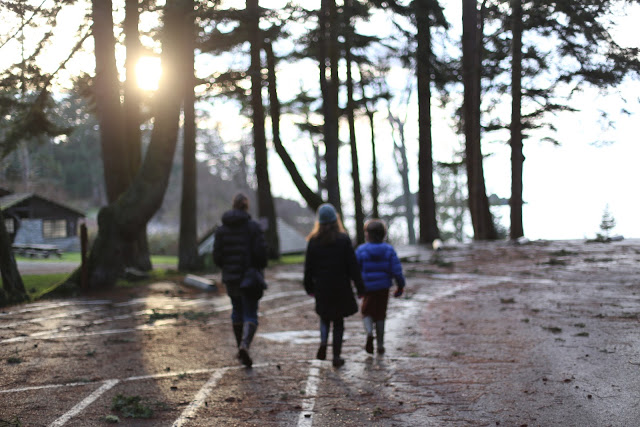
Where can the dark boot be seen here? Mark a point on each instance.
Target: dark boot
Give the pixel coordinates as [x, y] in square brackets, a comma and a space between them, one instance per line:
[248, 331]
[368, 347]
[322, 352]
[338, 331]
[324, 337]
[237, 332]
[368, 327]
[380, 335]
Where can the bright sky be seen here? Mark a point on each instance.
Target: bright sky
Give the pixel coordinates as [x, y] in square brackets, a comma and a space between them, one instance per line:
[566, 188]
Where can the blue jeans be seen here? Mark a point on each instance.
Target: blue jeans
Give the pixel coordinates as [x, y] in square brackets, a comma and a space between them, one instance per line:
[245, 309]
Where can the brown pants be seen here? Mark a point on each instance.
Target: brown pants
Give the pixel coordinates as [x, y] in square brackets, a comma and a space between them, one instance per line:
[374, 304]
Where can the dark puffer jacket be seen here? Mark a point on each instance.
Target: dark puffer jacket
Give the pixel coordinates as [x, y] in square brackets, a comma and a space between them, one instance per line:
[238, 239]
[328, 272]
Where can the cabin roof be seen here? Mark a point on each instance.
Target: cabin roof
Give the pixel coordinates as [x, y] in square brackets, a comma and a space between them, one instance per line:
[14, 199]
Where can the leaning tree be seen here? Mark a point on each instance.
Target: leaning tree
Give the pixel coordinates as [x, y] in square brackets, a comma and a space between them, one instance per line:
[121, 221]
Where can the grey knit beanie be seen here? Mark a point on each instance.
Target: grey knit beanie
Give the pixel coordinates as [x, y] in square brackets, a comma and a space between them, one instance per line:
[327, 214]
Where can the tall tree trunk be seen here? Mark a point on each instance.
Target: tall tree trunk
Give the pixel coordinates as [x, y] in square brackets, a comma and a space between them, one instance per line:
[481, 218]
[312, 199]
[355, 171]
[375, 190]
[266, 208]
[107, 97]
[121, 221]
[138, 251]
[188, 242]
[517, 157]
[426, 197]
[329, 62]
[12, 290]
[318, 167]
[132, 98]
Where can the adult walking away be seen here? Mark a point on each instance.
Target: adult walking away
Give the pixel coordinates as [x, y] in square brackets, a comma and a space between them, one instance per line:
[239, 246]
[330, 267]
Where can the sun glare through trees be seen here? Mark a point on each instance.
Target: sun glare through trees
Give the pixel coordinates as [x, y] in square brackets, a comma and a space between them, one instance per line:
[148, 73]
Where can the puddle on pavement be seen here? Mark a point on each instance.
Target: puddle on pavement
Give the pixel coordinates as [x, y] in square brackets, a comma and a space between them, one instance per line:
[289, 275]
[294, 337]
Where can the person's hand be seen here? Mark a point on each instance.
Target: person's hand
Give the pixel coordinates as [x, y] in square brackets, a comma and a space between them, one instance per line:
[398, 293]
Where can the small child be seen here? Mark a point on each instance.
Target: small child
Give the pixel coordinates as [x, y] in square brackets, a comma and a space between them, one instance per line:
[379, 264]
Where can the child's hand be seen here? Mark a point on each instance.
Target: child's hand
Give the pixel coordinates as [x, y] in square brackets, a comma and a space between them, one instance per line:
[398, 293]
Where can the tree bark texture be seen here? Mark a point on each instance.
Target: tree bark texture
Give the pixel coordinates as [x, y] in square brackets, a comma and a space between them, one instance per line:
[266, 208]
[517, 156]
[329, 34]
[132, 95]
[312, 199]
[426, 198]
[481, 218]
[355, 171]
[12, 290]
[107, 99]
[375, 189]
[138, 250]
[121, 221]
[188, 259]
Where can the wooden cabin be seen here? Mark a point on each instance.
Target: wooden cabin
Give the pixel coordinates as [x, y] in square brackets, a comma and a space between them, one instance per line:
[33, 220]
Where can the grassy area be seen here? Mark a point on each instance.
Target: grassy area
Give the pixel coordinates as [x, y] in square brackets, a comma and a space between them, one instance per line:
[288, 260]
[66, 257]
[75, 257]
[158, 259]
[37, 285]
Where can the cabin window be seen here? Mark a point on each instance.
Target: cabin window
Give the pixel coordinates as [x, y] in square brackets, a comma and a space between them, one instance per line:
[8, 224]
[54, 228]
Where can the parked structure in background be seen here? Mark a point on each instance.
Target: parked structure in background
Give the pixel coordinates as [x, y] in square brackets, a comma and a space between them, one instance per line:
[291, 241]
[34, 220]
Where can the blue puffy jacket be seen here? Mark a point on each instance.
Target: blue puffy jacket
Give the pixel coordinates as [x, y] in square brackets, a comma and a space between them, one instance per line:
[379, 264]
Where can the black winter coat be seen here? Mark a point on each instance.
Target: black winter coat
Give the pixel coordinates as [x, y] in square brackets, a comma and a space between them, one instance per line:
[328, 272]
[238, 240]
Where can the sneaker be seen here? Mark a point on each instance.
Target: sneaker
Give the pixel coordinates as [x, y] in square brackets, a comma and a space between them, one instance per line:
[322, 352]
[380, 350]
[337, 362]
[369, 345]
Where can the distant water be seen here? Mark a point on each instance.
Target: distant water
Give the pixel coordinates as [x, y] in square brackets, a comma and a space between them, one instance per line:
[567, 222]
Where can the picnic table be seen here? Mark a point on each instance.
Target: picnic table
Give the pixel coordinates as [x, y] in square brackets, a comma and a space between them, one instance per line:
[37, 250]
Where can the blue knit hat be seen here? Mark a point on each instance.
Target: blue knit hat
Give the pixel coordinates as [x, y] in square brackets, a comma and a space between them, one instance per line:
[327, 214]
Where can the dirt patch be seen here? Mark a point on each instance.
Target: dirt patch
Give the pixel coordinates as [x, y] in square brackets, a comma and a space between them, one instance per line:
[487, 334]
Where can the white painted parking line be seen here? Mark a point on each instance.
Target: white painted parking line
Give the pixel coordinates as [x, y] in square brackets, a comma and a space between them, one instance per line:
[198, 401]
[48, 306]
[144, 377]
[86, 402]
[43, 387]
[310, 392]
[47, 318]
[60, 334]
[52, 335]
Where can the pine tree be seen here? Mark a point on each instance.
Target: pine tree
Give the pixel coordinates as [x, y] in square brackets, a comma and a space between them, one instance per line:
[607, 223]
